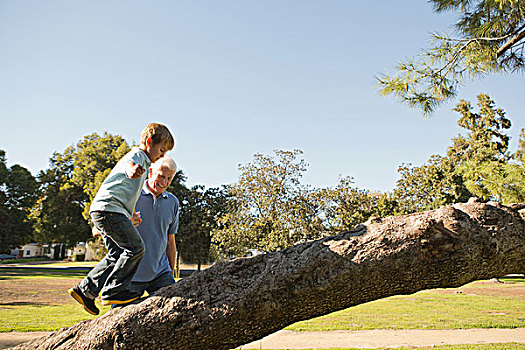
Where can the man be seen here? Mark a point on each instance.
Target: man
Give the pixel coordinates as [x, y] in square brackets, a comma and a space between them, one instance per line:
[157, 216]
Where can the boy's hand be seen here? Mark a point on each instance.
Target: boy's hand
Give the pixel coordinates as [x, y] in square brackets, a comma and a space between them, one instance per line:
[134, 171]
[135, 218]
[95, 232]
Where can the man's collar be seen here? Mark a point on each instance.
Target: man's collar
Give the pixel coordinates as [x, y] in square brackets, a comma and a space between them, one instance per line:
[146, 190]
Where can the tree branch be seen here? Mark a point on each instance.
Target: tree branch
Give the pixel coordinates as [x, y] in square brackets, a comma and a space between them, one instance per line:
[515, 39]
[234, 303]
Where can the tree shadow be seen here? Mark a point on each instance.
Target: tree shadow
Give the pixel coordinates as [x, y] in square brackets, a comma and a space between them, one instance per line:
[24, 303]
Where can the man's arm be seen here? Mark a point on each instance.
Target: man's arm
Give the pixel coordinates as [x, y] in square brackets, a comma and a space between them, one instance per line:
[171, 251]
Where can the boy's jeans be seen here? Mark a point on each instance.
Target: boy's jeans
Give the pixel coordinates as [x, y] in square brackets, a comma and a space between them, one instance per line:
[114, 273]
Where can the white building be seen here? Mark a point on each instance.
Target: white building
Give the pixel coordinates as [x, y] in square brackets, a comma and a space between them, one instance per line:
[31, 250]
[54, 251]
[81, 249]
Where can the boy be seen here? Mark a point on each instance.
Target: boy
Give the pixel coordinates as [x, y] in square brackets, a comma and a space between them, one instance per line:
[110, 211]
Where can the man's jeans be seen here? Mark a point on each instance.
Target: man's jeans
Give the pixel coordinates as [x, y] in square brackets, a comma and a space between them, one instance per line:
[114, 273]
[160, 281]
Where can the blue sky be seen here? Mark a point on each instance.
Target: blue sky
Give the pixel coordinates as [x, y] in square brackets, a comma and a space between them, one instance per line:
[230, 79]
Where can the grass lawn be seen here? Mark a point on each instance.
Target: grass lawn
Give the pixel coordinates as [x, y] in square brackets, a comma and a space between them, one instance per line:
[25, 274]
[23, 261]
[42, 318]
[46, 262]
[34, 301]
[479, 305]
[70, 264]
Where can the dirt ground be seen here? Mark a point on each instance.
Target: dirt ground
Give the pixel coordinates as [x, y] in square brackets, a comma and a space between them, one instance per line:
[509, 289]
[35, 292]
[52, 291]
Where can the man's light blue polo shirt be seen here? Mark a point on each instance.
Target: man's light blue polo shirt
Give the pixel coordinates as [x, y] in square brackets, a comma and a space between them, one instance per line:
[118, 193]
[160, 218]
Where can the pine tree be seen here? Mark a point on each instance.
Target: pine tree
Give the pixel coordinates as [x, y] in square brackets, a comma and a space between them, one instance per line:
[490, 39]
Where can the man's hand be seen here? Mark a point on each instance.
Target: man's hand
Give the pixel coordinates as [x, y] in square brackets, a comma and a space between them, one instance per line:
[135, 218]
[134, 171]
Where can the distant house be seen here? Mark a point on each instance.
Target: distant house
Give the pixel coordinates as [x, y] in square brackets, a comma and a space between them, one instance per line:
[81, 250]
[55, 251]
[31, 250]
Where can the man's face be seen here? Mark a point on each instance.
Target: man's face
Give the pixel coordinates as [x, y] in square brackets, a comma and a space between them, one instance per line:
[159, 179]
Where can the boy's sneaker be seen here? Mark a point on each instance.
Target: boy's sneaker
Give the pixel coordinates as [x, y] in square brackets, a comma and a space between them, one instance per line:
[87, 303]
[136, 301]
[124, 297]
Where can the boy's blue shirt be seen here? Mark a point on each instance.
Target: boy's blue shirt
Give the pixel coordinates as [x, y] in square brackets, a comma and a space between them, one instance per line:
[160, 218]
[119, 193]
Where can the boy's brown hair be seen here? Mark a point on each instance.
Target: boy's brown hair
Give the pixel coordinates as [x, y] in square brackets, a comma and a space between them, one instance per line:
[158, 133]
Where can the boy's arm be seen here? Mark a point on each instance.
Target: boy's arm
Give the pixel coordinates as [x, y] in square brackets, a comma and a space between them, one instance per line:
[134, 171]
[135, 218]
[95, 232]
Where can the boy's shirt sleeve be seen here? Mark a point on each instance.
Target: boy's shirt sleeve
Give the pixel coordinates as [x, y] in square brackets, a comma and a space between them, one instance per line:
[141, 159]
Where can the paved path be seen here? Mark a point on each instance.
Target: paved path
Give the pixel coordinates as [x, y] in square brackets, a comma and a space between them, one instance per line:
[358, 339]
[10, 339]
[386, 338]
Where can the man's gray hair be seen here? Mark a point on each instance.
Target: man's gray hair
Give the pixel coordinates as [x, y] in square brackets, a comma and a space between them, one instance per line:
[166, 161]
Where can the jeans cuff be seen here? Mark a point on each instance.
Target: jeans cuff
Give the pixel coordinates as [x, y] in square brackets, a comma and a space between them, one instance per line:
[87, 293]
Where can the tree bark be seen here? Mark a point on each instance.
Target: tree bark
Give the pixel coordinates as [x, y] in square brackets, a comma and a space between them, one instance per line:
[233, 303]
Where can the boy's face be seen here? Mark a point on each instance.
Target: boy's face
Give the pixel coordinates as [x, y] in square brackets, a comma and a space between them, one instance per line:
[155, 151]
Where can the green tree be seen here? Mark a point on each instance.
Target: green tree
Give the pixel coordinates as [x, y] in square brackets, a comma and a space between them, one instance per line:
[483, 156]
[502, 182]
[200, 210]
[58, 212]
[387, 205]
[429, 186]
[345, 206]
[519, 156]
[93, 158]
[69, 185]
[200, 215]
[4, 211]
[270, 208]
[515, 173]
[486, 139]
[17, 196]
[478, 163]
[490, 39]
[309, 216]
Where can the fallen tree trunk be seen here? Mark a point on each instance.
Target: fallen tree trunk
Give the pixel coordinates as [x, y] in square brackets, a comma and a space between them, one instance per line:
[233, 303]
